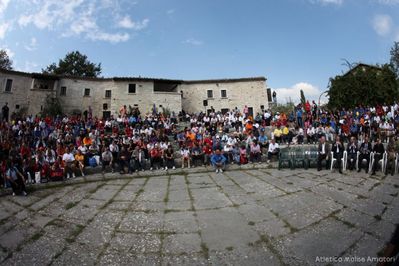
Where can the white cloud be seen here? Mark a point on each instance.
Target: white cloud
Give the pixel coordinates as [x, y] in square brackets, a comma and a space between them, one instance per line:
[32, 45]
[31, 67]
[382, 24]
[3, 5]
[193, 41]
[170, 11]
[4, 27]
[389, 2]
[293, 93]
[89, 19]
[328, 2]
[127, 23]
[109, 37]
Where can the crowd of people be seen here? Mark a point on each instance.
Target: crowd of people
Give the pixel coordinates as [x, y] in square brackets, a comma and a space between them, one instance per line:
[51, 148]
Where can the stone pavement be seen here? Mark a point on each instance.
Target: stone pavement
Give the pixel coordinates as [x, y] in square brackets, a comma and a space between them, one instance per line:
[241, 217]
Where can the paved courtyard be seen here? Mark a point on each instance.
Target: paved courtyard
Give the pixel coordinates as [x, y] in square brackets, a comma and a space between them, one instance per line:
[241, 217]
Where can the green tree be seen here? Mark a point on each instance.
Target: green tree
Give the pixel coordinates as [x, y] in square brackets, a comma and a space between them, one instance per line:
[5, 61]
[303, 99]
[395, 58]
[365, 85]
[74, 64]
[52, 106]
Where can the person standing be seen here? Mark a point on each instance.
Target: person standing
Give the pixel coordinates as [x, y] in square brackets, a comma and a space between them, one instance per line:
[5, 112]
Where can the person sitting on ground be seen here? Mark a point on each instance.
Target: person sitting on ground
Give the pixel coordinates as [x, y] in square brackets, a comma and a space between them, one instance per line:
[277, 134]
[185, 156]
[197, 155]
[137, 160]
[17, 180]
[391, 150]
[124, 160]
[156, 155]
[218, 161]
[169, 158]
[106, 159]
[79, 159]
[338, 151]
[323, 153]
[243, 155]
[273, 150]
[69, 163]
[255, 152]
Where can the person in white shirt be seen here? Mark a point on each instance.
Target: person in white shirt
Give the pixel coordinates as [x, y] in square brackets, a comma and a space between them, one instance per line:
[185, 156]
[273, 150]
[69, 160]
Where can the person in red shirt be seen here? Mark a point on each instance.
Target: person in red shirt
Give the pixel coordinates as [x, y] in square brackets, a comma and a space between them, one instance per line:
[207, 150]
[156, 155]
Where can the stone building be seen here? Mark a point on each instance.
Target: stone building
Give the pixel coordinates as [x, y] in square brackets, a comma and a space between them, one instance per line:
[106, 96]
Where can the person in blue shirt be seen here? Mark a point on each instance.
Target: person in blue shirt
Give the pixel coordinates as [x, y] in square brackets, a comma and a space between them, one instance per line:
[218, 161]
[299, 117]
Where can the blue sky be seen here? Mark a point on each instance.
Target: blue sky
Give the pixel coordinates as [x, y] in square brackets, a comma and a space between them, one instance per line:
[295, 44]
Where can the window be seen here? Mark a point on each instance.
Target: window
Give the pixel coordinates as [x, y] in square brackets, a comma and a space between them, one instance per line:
[210, 93]
[132, 88]
[63, 91]
[105, 106]
[108, 94]
[87, 92]
[17, 106]
[8, 85]
[223, 93]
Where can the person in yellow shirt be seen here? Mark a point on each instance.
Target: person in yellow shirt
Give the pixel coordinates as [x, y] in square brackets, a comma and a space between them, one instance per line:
[285, 137]
[277, 133]
[80, 158]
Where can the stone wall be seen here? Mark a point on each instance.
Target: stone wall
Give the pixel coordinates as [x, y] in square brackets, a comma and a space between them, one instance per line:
[144, 98]
[239, 93]
[24, 92]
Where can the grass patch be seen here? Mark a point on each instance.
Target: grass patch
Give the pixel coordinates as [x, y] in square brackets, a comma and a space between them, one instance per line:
[361, 197]
[205, 250]
[94, 190]
[71, 238]
[251, 223]
[230, 248]
[394, 194]
[37, 236]
[290, 183]
[349, 224]
[70, 205]
[374, 186]
[166, 199]
[396, 186]
[340, 189]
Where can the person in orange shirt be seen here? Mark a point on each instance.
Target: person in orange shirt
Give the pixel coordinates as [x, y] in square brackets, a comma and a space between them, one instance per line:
[190, 135]
[80, 158]
[248, 127]
[87, 141]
